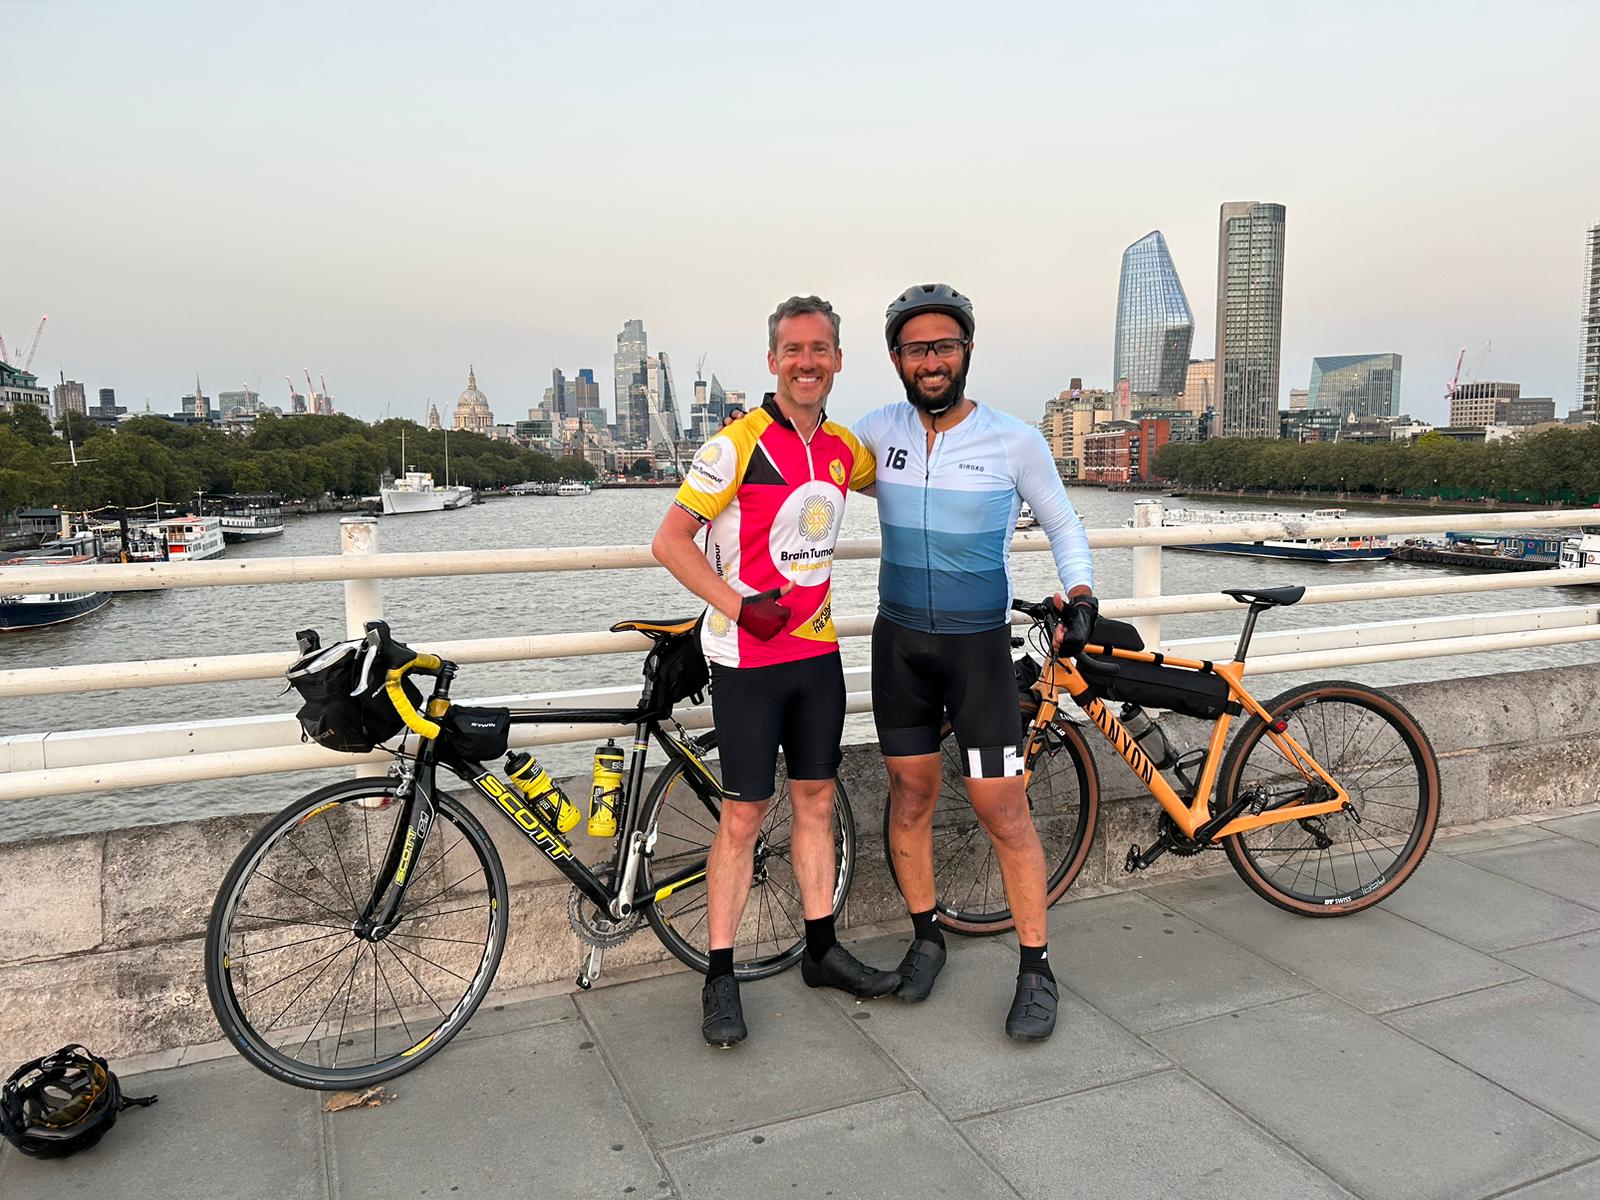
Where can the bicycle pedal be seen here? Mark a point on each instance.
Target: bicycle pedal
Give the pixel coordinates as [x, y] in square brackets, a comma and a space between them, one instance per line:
[1134, 861]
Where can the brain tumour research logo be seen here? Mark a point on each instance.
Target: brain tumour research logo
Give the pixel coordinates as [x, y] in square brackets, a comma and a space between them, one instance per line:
[816, 518]
[710, 453]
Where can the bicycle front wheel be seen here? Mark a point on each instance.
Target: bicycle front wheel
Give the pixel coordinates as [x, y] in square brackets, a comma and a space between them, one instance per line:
[306, 999]
[1345, 861]
[1063, 796]
[682, 815]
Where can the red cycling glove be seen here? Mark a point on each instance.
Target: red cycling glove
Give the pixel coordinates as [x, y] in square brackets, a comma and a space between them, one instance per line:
[762, 615]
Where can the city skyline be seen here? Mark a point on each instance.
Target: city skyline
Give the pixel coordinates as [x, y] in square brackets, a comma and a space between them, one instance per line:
[383, 210]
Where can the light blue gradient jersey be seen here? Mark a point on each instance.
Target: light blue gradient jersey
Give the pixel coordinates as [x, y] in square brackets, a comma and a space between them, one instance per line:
[948, 515]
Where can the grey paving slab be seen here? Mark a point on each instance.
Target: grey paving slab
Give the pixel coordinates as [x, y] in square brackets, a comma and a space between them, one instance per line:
[1530, 1037]
[1380, 1114]
[1583, 826]
[954, 1046]
[526, 1113]
[219, 1129]
[1483, 909]
[1374, 959]
[493, 1019]
[897, 1147]
[1562, 866]
[1580, 1183]
[804, 1055]
[1149, 966]
[1146, 1139]
[1489, 839]
[1573, 962]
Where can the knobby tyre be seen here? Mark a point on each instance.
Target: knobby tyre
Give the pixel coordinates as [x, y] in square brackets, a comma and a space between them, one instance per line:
[1345, 861]
[1064, 799]
[304, 998]
[682, 812]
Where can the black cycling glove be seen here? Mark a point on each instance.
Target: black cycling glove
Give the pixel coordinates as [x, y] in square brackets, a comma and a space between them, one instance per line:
[1078, 621]
[762, 615]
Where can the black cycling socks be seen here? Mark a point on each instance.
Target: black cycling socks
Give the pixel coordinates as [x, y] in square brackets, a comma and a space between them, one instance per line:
[1037, 958]
[721, 964]
[820, 937]
[925, 927]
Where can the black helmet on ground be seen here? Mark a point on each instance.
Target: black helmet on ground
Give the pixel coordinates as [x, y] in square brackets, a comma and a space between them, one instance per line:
[62, 1103]
[928, 298]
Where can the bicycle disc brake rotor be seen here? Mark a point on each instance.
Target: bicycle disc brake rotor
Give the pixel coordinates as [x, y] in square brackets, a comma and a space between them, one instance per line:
[596, 927]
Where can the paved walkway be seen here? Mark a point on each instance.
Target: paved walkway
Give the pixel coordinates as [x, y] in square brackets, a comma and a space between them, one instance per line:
[1446, 1045]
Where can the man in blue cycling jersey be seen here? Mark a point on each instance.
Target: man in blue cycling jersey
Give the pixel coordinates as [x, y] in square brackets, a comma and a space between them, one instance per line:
[951, 477]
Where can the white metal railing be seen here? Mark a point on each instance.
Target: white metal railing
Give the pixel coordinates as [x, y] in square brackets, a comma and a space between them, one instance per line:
[91, 760]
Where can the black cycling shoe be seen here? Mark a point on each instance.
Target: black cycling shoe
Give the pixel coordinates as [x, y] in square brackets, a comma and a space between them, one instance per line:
[1033, 1010]
[918, 969]
[840, 969]
[723, 1021]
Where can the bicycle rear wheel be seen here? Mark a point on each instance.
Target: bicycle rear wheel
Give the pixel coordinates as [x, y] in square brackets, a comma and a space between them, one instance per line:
[299, 993]
[683, 818]
[1063, 795]
[1345, 861]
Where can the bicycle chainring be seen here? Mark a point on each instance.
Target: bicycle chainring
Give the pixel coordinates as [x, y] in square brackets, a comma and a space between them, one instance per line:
[1177, 843]
[596, 927]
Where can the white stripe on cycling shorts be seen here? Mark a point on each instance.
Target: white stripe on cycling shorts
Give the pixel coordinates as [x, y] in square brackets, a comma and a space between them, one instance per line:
[996, 762]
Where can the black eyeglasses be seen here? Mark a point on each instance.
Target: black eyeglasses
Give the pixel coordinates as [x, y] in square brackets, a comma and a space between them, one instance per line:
[943, 348]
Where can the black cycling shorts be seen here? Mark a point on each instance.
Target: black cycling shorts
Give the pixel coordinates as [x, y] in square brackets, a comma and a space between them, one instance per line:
[918, 678]
[796, 705]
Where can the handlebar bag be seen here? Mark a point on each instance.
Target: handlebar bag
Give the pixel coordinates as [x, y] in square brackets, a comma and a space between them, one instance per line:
[345, 707]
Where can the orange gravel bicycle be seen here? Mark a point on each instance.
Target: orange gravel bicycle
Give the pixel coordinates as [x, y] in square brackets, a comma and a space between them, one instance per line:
[1325, 802]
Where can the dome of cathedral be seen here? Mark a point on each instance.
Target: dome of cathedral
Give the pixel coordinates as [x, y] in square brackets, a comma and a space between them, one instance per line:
[472, 409]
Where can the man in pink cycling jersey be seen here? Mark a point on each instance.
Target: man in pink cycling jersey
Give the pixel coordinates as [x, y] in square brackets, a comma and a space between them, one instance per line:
[769, 491]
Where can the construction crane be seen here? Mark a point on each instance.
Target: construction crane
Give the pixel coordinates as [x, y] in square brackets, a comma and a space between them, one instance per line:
[1450, 389]
[4, 357]
[700, 367]
[311, 393]
[326, 403]
[33, 345]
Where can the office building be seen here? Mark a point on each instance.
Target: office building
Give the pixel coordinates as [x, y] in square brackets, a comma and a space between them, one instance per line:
[1125, 451]
[18, 387]
[1250, 246]
[1298, 398]
[1311, 425]
[1154, 324]
[1474, 405]
[1356, 385]
[1200, 386]
[472, 408]
[69, 397]
[1589, 325]
[663, 428]
[1070, 417]
[631, 396]
[106, 412]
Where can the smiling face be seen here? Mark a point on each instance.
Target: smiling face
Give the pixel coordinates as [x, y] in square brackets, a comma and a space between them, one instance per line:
[805, 360]
[933, 383]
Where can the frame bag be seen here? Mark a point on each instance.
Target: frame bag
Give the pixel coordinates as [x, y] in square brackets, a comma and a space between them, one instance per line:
[1150, 685]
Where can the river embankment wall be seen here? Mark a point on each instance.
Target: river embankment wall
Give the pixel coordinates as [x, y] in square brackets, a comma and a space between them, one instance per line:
[101, 935]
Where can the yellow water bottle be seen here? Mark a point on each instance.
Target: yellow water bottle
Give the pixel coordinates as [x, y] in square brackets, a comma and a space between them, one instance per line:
[607, 787]
[534, 782]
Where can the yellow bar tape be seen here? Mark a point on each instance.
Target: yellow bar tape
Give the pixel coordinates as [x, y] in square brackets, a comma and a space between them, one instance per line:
[415, 721]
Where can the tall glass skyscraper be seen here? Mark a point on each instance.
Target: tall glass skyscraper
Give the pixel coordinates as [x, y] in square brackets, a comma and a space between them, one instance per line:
[1358, 385]
[1589, 348]
[1249, 317]
[633, 412]
[1154, 324]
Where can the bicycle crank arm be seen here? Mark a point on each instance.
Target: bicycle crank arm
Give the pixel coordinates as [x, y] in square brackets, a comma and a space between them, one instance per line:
[591, 968]
[622, 905]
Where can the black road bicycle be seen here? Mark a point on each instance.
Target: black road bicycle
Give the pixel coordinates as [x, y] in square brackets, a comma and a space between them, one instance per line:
[359, 930]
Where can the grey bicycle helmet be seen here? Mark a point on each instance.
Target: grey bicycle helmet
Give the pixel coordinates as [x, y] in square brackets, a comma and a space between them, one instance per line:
[927, 298]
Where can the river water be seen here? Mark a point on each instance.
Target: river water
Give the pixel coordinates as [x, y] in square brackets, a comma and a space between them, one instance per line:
[250, 619]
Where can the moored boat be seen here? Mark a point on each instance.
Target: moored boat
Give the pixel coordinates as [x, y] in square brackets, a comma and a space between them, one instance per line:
[177, 539]
[1337, 548]
[250, 518]
[37, 609]
[573, 487]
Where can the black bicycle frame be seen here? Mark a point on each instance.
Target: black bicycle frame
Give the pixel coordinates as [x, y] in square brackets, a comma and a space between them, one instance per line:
[420, 810]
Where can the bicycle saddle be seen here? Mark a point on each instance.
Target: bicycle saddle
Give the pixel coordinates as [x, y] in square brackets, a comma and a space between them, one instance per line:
[682, 625]
[1268, 596]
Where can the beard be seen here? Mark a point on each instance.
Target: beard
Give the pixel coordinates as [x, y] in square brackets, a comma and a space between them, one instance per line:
[951, 397]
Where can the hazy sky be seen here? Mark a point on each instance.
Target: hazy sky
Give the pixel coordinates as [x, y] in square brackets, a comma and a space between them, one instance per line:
[386, 192]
